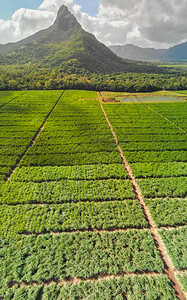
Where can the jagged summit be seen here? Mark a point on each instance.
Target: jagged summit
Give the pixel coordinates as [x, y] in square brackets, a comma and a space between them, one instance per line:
[64, 26]
[65, 20]
[67, 41]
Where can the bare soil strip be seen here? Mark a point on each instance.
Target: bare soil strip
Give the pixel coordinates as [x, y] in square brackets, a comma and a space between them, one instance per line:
[99, 231]
[35, 137]
[172, 227]
[163, 117]
[169, 269]
[13, 99]
[181, 272]
[75, 281]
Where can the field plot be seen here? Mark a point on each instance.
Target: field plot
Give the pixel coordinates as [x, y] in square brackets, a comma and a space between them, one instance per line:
[72, 224]
[175, 112]
[6, 97]
[20, 120]
[153, 140]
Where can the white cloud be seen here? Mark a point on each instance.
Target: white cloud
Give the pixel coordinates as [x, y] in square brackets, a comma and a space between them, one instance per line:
[54, 5]
[158, 23]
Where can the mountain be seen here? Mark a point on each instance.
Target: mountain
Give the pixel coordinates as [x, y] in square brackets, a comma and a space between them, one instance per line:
[176, 53]
[66, 42]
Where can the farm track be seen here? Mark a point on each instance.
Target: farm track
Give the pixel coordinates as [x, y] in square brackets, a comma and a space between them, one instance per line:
[83, 201]
[13, 99]
[78, 280]
[94, 230]
[99, 231]
[169, 269]
[163, 117]
[35, 137]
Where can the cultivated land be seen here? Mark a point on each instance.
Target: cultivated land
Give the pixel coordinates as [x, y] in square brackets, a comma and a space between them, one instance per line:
[92, 197]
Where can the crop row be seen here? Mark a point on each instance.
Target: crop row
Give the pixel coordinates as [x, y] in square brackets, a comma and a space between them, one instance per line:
[65, 140]
[159, 170]
[143, 123]
[131, 288]
[13, 150]
[121, 130]
[156, 156]
[154, 146]
[66, 191]
[57, 257]
[124, 137]
[71, 159]
[163, 187]
[78, 172]
[74, 148]
[71, 216]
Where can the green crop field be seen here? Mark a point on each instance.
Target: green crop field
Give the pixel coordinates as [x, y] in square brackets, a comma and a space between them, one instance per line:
[92, 196]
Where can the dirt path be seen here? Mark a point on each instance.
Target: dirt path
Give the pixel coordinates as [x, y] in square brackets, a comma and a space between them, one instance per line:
[169, 269]
[94, 230]
[35, 137]
[75, 281]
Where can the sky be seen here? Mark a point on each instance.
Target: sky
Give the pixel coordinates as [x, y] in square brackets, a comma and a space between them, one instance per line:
[145, 23]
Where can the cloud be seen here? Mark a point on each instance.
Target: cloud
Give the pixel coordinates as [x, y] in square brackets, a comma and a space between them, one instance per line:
[159, 23]
[156, 23]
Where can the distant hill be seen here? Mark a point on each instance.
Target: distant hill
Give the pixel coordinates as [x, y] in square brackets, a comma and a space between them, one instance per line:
[66, 41]
[173, 54]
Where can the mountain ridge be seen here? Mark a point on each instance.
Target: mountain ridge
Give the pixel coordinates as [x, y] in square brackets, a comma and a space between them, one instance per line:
[172, 54]
[66, 40]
